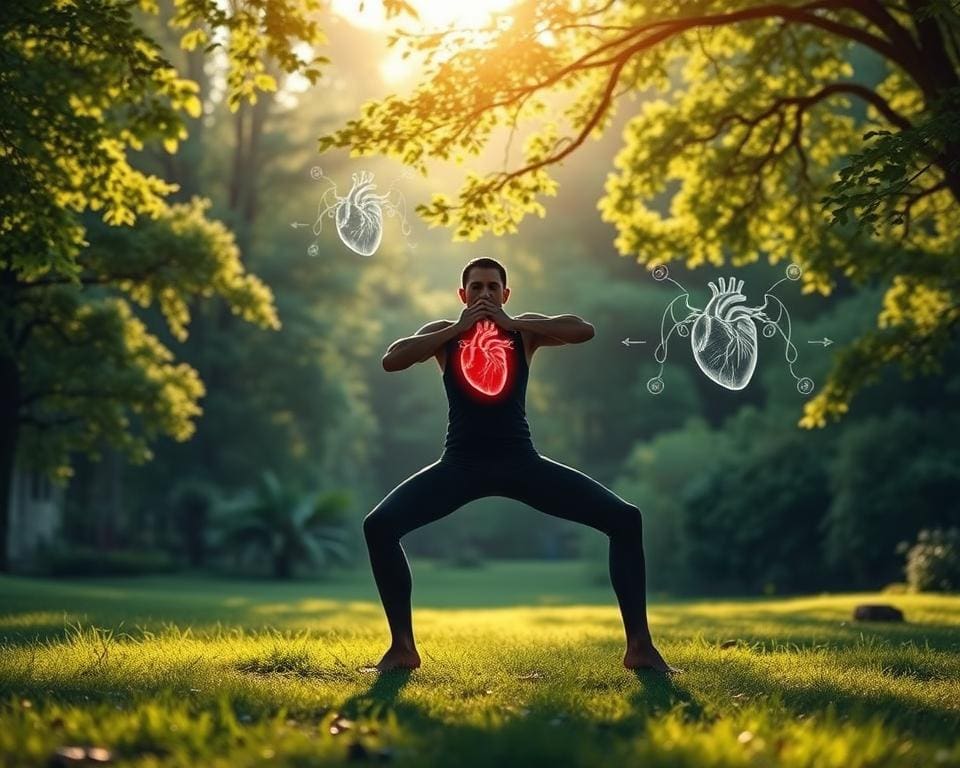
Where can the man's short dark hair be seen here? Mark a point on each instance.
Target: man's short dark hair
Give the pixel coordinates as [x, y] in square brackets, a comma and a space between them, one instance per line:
[484, 262]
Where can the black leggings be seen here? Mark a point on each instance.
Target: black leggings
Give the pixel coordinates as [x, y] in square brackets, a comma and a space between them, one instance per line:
[446, 485]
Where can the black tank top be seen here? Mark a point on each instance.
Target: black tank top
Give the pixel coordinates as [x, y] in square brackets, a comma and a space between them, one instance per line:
[485, 379]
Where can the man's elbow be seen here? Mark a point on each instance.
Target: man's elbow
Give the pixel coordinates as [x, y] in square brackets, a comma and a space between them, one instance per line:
[588, 332]
[389, 364]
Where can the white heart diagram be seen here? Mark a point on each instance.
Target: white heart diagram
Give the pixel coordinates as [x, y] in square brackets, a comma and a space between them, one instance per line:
[359, 219]
[359, 215]
[723, 335]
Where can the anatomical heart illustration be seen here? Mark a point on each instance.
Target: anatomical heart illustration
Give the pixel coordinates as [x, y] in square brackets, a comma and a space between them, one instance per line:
[358, 215]
[484, 361]
[723, 335]
[359, 219]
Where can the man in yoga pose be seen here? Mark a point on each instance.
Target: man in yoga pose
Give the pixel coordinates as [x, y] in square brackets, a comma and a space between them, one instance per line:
[485, 358]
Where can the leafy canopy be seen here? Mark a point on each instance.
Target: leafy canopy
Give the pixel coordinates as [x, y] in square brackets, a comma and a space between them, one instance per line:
[743, 146]
[85, 235]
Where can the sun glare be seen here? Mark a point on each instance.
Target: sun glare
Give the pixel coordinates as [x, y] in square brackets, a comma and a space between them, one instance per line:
[433, 15]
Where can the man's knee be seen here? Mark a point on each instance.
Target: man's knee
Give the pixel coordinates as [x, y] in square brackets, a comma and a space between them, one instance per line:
[628, 519]
[375, 527]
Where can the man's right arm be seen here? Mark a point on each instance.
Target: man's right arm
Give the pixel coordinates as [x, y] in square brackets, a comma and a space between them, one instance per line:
[423, 345]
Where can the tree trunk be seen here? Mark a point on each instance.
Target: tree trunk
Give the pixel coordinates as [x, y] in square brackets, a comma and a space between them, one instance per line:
[243, 204]
[9, 431]
[281, 567]
[9, 405]
[109, 501]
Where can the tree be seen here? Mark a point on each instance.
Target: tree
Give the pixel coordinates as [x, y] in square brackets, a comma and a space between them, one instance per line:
[297, 399]
[657, 476]
[85, 86]
[752, 516]
[752, 153]
[892, 476]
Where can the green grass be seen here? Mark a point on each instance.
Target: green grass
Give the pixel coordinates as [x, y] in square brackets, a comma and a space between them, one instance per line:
[522, 666]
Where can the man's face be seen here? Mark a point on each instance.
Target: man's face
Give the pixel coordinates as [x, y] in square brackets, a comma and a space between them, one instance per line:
[484, 282]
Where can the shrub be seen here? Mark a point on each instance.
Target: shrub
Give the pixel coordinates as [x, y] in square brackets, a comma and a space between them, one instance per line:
[933, 562]
[286, 527]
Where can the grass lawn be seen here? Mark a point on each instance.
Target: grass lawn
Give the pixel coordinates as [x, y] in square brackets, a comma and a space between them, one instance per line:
[522, 665]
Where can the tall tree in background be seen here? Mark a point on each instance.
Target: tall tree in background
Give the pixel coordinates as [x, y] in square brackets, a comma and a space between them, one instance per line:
[279, 397]
[751, 144]
[83, 86]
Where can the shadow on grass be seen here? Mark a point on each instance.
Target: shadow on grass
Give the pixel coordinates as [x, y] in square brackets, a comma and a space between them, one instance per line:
[661, 693]
[381, 697]
[541, 731]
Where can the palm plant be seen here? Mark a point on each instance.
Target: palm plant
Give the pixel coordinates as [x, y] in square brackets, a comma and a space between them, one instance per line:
[286, 526]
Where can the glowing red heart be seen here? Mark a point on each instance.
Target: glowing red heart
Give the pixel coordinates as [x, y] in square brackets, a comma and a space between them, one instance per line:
[483, 358]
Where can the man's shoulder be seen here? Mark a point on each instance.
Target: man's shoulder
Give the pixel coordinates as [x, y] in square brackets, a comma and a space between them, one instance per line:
[441, 354]
[436, 325]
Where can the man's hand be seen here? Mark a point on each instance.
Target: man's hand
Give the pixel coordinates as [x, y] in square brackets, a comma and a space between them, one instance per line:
[471, 315]
[495, 312]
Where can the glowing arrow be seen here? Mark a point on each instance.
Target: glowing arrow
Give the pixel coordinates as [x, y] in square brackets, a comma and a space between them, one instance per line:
[298, 224]
[825, 341]
[627, 342]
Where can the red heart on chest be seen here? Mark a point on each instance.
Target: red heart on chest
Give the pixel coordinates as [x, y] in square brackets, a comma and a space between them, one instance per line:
[483, 358]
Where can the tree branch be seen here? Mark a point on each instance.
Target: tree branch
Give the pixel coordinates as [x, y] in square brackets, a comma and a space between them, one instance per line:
[669, 28]
[78, 394]
[46, 424]
[912, 200]
[802, 102]
[910, 64]
[47, 321]
[98, 279]
[598, 113]
[876, 14]
[932, 46]
[663, 29]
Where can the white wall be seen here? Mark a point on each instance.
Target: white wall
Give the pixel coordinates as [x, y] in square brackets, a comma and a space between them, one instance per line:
[35, 505]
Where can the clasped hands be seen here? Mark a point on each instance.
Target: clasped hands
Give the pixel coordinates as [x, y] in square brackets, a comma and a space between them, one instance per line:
[485, 309]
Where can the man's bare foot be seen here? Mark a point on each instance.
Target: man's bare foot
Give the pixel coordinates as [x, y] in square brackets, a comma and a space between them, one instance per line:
[399, 657]
[643, 655]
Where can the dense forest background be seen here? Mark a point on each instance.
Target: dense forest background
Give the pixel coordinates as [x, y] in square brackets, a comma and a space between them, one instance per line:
[736, 497]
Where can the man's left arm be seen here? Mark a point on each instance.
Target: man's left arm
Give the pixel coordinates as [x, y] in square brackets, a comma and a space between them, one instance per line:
[560, 329]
